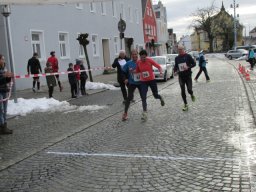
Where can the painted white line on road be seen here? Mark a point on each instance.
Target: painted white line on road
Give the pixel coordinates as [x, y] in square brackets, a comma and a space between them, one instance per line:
[140, 156]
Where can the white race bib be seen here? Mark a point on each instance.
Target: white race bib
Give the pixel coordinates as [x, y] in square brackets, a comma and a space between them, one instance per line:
[136, 77]
[122, 62]
[183, 66]
[145, 74]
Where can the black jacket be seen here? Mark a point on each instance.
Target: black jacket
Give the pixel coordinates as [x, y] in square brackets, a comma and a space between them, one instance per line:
[4, 88]
[120, 73]
[71, 77]
[34, 66]
[186, 58]
[83, 75]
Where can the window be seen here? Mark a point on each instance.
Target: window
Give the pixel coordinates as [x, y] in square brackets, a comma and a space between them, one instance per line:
[130, 13]
[92, 7]
[37, 43]
[95, 45]
[79, 6]
[103, 8]
[147, 11]
[63, 45]
[114, 8]
[136, 16]
[122, 10]
[116, 45]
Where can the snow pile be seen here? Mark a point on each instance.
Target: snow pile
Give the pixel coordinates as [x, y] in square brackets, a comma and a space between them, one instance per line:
[96, 85]
[241, 58]
[26, 106]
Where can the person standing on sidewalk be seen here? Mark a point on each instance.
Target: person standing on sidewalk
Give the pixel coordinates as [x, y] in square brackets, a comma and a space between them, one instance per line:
[83, 78]
[202, 66]
[72, 80]
[118, 63]
[50, 79]
[147, 78]
[77, 72]
[183, 64]
[132, 80]
[55, 67]
[34, 67]
[251, 58]
[5, 79]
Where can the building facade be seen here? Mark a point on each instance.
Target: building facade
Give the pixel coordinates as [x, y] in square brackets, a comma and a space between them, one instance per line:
[162, 31]
[149, 27]
[43, 28]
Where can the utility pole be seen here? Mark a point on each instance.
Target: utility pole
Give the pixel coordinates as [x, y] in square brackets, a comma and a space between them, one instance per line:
[234, 5]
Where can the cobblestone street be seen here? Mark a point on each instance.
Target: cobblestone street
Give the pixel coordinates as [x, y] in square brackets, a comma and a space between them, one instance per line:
[209, 148]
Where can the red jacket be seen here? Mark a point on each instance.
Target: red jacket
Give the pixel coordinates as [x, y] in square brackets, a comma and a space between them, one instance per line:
[54, 62]
[146, 69]
[77, 68]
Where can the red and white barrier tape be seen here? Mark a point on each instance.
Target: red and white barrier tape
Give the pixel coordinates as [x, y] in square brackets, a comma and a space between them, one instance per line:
[58, 73]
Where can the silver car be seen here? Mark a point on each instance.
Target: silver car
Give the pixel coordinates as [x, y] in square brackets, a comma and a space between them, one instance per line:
[167, 68]
[236, 53]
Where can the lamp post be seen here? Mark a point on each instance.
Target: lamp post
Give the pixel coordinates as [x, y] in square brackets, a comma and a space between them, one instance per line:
[6, 11]
[234, 5]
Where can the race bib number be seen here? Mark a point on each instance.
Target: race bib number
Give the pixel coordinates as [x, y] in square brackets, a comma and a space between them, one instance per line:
[183, 66]
[136, 77]
[145, 74]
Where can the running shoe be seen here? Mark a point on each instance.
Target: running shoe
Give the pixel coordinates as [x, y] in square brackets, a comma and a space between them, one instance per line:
[144, 116]
[162, 100]
[185, 108]
[193, 98]
[124, 117]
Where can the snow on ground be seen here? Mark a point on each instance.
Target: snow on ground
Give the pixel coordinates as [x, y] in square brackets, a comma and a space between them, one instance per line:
[242, 58]
[26, 106]
[218, 55]
[96, 85]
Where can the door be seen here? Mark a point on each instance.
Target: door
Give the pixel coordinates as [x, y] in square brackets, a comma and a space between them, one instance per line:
[106, 52]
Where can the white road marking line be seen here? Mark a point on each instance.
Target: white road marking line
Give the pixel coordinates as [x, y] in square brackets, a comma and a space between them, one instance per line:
[141, 156]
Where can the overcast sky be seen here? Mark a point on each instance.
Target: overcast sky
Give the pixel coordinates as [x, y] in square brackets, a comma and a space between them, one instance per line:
[179, 13]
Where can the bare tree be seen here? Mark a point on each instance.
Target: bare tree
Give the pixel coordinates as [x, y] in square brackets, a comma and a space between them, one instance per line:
[204, 20]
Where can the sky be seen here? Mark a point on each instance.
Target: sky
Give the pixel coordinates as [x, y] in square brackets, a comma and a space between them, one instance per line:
[26, 106]
[179, 13]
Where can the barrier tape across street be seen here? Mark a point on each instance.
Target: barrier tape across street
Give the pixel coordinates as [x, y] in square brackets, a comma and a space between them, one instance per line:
[58, 73]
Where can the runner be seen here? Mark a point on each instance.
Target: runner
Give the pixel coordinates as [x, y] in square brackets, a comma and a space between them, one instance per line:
[183, 64]
[147, 78]
[132, 80]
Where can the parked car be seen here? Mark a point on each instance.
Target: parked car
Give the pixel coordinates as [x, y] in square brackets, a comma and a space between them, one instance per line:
[194, 54]
[171, 59]
[167, 68]
[236, 53]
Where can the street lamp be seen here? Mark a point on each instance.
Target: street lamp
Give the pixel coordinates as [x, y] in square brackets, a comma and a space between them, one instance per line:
[6, 11]
[234, 5]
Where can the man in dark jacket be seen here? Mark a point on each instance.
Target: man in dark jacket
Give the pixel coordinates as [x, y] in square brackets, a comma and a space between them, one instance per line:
[118, 63]
[34, 67]
[183, 64]
[72, 80]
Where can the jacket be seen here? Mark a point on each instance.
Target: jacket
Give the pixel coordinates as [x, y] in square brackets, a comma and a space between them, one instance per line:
[83, 75]
[34, 66]
[4, 88]
[54, 62]
[183, 65]
[202, 61]
[50, 79]
[71, 77]
[133, 78]
[120, 73]
[145, 68]
[77, 68]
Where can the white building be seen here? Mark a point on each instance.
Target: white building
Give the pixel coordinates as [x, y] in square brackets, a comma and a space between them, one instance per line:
[162, 31]
[186, 42]
[43, 28]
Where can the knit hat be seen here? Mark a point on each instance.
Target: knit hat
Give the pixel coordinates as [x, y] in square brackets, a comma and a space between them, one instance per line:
[78, 62]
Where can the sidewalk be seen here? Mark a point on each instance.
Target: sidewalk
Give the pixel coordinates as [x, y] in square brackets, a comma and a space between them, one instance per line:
[65, 95]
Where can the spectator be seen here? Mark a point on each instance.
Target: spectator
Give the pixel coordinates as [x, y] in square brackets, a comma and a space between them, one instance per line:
[83, 78]
[5, 78]
[202, 66]
[72, 80]
[251, 58]
[50, 79]
[55, 67]
[34, 67]
[77, 73]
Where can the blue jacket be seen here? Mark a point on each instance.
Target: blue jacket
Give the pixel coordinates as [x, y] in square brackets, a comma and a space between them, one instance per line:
[251, 54]
[202, 61]
[128, 67]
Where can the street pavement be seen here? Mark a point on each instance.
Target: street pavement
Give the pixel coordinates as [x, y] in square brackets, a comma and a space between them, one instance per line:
[211, 147]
